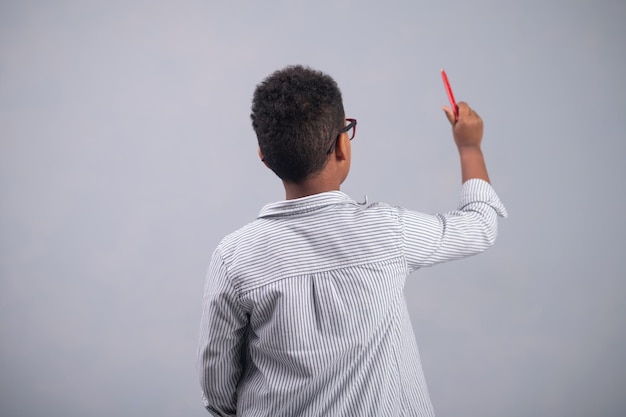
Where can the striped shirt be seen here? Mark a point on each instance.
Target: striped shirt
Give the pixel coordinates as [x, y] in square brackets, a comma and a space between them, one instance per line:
[304, 312]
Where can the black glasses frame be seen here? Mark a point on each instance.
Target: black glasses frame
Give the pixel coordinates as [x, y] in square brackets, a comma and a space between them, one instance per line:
[351, 125]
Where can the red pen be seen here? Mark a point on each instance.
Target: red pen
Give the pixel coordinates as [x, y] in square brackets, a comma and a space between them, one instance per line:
[446, 84]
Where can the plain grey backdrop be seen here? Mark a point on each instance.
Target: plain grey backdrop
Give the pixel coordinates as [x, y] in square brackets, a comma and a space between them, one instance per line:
[126, 154]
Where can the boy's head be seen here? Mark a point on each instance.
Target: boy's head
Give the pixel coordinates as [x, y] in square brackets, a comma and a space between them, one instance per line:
[297, 114]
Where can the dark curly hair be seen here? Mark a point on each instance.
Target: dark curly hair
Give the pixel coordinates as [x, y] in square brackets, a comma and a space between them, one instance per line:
[297, 113]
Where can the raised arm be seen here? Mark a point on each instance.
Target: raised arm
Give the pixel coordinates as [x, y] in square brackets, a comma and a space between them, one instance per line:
[472, 228]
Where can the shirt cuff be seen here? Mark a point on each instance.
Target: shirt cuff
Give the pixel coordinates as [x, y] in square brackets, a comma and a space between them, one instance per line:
[476, 190]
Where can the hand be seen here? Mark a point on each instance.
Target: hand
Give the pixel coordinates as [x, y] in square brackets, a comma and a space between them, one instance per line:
[468, 129]
[468, 133]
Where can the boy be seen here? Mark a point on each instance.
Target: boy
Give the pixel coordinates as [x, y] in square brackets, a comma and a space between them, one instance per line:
[304, 312]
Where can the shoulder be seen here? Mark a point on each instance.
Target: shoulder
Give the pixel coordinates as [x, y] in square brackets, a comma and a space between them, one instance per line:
[234, 240]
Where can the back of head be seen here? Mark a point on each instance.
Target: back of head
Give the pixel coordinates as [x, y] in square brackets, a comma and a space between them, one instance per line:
[297, 113]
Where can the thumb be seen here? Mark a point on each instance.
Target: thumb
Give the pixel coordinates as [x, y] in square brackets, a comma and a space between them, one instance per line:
[449, 114]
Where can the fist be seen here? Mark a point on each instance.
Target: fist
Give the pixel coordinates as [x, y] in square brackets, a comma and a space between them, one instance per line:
[468, 128]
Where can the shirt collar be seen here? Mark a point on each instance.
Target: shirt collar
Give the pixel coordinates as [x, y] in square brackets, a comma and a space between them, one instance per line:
[304, 205]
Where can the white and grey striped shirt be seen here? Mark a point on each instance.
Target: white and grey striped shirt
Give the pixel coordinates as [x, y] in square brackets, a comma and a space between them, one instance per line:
[304, 312]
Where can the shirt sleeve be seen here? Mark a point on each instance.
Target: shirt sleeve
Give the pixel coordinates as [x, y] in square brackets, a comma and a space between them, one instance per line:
[430, 239]
[222, 341]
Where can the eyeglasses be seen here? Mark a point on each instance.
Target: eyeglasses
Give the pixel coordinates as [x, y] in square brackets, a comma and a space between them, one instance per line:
[350, 128]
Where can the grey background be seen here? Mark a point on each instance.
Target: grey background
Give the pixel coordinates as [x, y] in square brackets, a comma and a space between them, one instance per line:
[126, 154]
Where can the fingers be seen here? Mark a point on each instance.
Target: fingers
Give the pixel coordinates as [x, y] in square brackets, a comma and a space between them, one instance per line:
[466, 112]
[449, 114]
[464, 109]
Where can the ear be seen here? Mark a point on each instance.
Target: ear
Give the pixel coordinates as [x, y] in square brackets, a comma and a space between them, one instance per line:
[262, 157]
[342, 148]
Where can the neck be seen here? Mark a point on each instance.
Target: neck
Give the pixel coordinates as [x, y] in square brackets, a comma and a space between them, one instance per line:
[317, 184]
